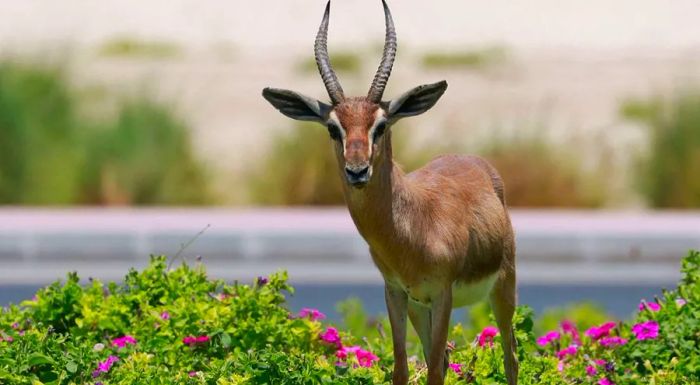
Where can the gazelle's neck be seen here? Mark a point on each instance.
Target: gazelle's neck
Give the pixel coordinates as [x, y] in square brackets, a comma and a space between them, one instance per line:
[376, 208]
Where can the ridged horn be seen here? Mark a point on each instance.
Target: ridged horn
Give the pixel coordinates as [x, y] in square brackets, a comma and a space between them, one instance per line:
[384, 71]
[335, 91]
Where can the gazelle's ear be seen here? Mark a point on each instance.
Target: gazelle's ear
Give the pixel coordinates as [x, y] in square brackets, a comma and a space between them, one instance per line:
[296, 105]
[416, 101]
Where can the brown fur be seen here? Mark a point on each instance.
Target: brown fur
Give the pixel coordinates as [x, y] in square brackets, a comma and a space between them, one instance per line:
[356, 115]
[443, 224]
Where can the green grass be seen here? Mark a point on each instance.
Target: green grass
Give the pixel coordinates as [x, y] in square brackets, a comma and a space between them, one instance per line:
[342, 62]
[468, 59]
[132, 48]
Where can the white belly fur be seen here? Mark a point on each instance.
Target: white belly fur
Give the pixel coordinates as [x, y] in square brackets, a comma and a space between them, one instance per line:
[468, 294]
[463, 294]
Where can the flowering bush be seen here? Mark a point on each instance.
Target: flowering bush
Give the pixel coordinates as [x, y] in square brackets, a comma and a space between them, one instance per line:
[178, 327]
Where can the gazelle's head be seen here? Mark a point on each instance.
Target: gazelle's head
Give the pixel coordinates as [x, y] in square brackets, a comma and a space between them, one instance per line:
[357, 125]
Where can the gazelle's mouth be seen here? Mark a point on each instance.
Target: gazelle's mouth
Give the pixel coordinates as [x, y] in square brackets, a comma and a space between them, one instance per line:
[357, 176]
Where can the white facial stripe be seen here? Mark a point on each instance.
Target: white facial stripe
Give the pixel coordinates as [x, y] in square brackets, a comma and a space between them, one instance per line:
[334, 118]
[378, 118]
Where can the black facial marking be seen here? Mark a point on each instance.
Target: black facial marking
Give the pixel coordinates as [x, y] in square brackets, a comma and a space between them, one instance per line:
[334, 130]
[379, 131]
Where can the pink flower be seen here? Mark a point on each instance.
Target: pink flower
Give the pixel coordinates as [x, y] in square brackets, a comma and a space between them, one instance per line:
[457, 368]
[192, 340]
[314, 314]
[680, 302]
[612, 341]
[568, 351]
[486, 335]
[605, 381]
[652, 306]
[365, 358]
[165, 316]
[547, 338]
[646, 330]
[591, 370]
[569, 328]
[105, 366]
[331, 336]
[192, 373]
[560, 366]
[121, 342]
[343, 352]
[600, 362]
[598, 332]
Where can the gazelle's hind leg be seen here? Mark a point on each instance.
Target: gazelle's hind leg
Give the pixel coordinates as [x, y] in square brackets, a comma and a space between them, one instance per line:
[503, 301]
[421, 320]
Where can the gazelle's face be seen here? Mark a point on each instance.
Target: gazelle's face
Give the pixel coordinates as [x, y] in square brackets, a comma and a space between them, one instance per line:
[357, 126]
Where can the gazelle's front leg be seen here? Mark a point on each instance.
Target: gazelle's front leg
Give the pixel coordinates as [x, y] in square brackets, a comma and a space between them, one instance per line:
[441, 308]
[396, 304]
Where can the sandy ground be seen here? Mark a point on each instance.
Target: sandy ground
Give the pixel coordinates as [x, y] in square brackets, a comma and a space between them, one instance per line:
[568, 66]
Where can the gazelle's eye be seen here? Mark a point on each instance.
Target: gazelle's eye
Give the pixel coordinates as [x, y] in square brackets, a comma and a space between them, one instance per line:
[334, 130]
[379, 131]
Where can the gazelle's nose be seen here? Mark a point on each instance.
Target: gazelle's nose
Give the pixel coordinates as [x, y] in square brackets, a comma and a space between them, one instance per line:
[357, 175]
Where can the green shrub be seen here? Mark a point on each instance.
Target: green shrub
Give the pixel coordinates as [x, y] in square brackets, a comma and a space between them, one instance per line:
[51, 155]
[668, 173]
[164, 326]
[39, 159]
[142, 157]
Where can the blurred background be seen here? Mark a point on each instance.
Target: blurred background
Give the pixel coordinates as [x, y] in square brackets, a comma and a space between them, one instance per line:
[137, 127]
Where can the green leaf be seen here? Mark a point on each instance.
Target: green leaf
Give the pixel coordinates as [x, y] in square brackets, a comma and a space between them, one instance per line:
[36, 359]
[72, 367]
[225, 340]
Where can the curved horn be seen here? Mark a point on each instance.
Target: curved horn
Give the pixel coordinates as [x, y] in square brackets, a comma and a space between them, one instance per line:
[379, 83]
[335, 91]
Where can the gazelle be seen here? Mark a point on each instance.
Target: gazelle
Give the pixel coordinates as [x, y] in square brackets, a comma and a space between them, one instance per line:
[440, 236]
